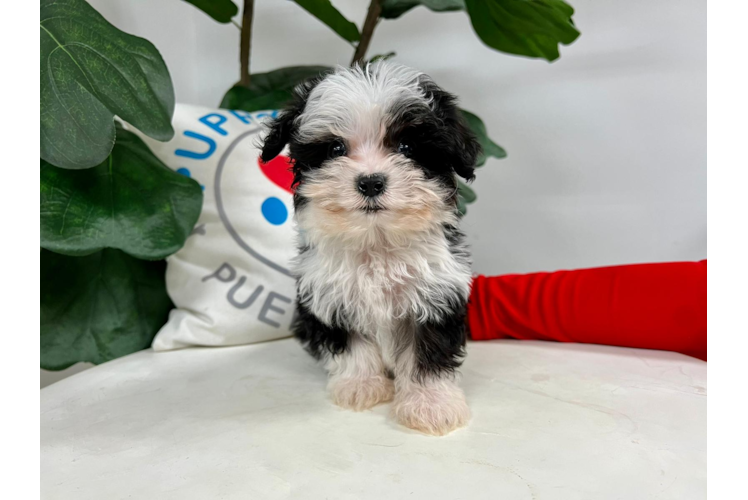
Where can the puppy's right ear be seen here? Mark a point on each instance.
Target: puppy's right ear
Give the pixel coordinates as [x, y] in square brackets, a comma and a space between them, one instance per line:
[282, 127]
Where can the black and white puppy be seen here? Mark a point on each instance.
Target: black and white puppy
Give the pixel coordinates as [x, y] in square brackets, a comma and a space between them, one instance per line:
[383, 275]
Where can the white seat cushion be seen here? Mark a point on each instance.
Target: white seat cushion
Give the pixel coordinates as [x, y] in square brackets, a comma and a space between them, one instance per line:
[554, 421]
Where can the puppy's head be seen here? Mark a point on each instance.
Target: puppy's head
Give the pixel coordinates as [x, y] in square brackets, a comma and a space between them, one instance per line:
[376, 152]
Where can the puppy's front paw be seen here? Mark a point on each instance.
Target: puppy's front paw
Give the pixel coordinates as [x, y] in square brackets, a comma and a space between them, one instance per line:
[436, 409]
[361, 394]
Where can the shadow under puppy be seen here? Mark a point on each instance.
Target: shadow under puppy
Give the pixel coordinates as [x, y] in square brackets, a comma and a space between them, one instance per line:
[383, 274]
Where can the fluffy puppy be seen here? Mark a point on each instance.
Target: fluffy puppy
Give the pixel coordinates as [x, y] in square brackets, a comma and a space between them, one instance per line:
[383, 274]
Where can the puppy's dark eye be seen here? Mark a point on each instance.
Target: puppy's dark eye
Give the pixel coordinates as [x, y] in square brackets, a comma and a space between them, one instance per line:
[337, 148]
[405, 148]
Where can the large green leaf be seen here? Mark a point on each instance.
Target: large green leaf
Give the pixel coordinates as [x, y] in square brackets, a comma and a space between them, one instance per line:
[392, 9]
[99, 307]
[489, 147]
[131, 201]
[270, 90]
[532, 28]
[220, 10]
[91, 71]
[328, 14]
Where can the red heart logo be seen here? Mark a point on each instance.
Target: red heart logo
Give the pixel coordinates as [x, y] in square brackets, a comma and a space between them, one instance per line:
[278, 170]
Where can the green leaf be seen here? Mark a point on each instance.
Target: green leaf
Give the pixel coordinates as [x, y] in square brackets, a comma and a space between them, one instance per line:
[220, 10]
[131, 201]
[532, 28]
[461, 205]
[465, 195]
[325, 12]
[392, 9]
[489, 147]
[99, 307]
[466, 192]
[270, 90]
[91, 71]
[382, 57]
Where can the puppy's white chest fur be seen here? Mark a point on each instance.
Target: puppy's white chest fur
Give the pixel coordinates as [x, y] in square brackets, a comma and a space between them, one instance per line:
[370, 290]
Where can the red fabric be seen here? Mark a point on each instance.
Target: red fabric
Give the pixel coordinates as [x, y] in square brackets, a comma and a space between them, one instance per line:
[727, 309]
[650, 306]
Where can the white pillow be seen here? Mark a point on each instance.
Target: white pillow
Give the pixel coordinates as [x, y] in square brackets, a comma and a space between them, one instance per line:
[230, 282]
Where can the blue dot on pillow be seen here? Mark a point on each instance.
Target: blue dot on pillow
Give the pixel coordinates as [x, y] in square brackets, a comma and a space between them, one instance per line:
[274, 211]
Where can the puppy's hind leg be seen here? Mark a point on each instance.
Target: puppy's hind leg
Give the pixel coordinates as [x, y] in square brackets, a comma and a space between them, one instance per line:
[358, 380]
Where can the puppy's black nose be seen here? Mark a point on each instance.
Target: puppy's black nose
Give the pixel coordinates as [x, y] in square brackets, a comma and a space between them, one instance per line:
[372, 185]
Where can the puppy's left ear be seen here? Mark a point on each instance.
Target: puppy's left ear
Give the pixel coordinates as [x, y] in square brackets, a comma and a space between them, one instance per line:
[457, 140]
[466, 147]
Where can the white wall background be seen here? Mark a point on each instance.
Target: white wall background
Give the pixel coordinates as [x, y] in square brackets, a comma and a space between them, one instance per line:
[607, 145]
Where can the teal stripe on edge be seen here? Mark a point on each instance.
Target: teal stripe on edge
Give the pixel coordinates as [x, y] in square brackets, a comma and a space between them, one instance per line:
[727, 427]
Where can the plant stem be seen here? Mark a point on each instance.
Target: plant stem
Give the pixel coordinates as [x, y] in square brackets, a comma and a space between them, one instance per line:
[372, 16]
[245, 43]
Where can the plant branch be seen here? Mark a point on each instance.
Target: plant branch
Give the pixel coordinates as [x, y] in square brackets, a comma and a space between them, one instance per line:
[372, 17]
[245, 43]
